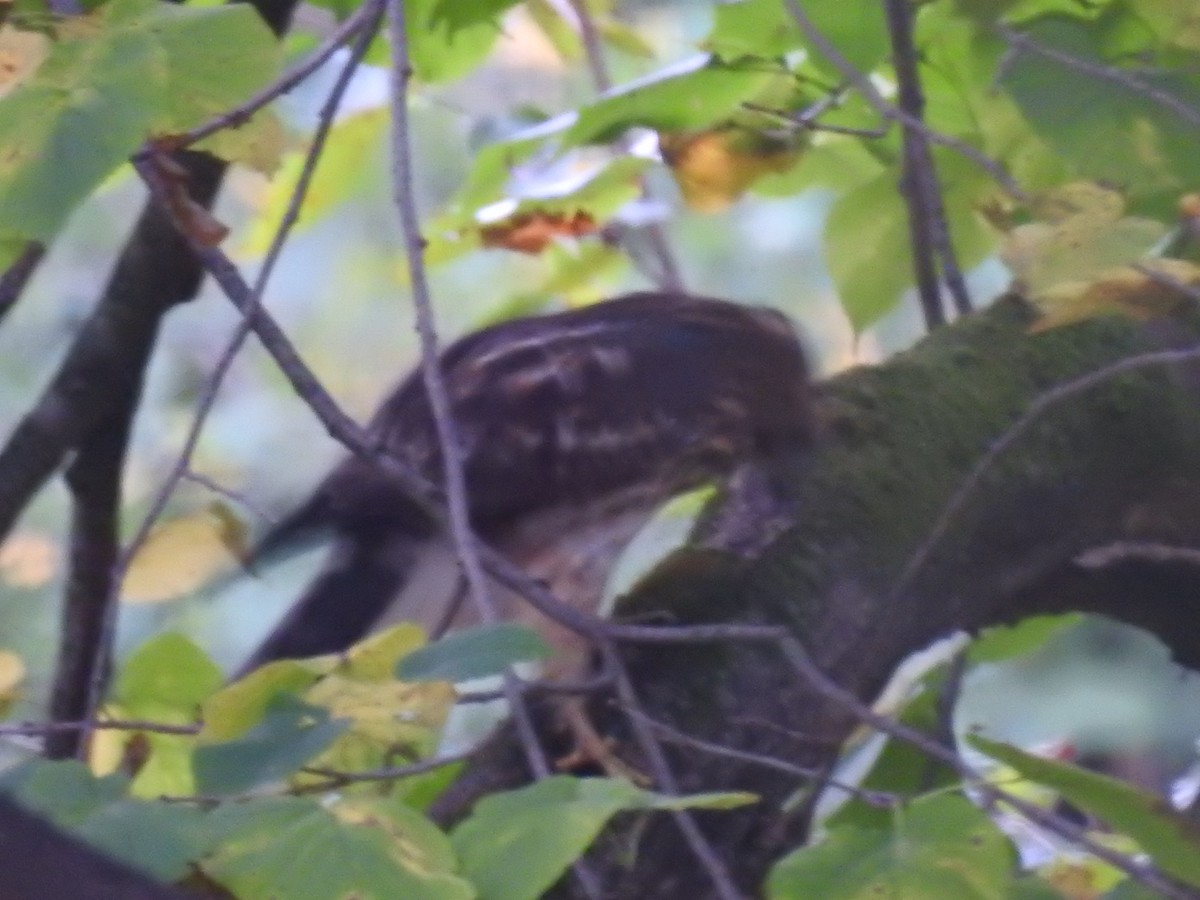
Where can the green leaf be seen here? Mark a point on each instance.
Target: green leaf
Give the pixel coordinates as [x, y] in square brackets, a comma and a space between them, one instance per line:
[369, 849]
[131, 68]
[63, 130]
[167, 671]
[342, 173]
[1148, 147]
[165, 680]
[547, 826]
[290, 734]
[1126, 890]
[65, 791]
[1174, 22]
[473, 653]
[901, 769]
[160, 839]
[867, 249]
[458, 15]
[960, 58]
[694, 94]
[1008, 641]
[857, 30]
[238, 707]
[938, 847]
[157, 838]
[836, 162]
[867, 242]
[1168, 836]
[217, 58]
[386, 718]
[752, 28]
[443, 46]
[1030, 887]
[167, 770]
[764, 28]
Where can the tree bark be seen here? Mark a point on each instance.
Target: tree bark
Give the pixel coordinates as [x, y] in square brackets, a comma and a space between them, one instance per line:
[1086, 510]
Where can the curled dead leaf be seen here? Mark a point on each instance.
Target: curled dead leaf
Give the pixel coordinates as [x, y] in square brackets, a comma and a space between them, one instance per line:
[190, 217]
[531, 232]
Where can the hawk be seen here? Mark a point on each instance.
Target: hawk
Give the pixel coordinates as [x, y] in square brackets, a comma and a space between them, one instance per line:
[575, 427]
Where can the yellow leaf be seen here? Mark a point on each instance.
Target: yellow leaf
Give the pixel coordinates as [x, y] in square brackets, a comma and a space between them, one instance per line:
[390, 711]
[258, 144]
[391, 721]
[1079, 198]
[106, 751]
[714, 168]
[1081, 233]
[28, 559]
[1081, 879]
[184, 553]
[375, 657]
[12, 673]
[238, 707]
[1123, 290]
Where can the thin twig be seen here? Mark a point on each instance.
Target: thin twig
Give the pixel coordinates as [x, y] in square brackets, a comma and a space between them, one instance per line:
[664, 778]
[810, 673]
[920, 172]
[335, 778]
[303, 382]
[254, 297]
[1123, 77]
[1035, 411]
[38, 729]
[669, 276]
[17, 275]
[891, 113]
[878, 799]
[239, 115]
[236, 497]
[454, 480]
[918, 181]
[253, 304]
[1191, 291]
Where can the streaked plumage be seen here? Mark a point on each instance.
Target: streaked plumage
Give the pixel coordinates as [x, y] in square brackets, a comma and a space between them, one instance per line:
[575, 427]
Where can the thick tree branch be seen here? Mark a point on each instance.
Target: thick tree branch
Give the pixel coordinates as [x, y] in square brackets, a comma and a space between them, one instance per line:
[1117, 461]
[38, 861]
[89, 409]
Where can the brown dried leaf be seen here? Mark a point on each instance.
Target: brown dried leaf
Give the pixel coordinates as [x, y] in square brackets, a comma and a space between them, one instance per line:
[192, 219]
[532, 232]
